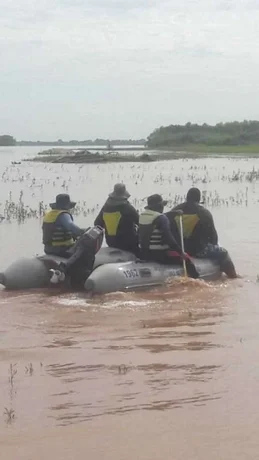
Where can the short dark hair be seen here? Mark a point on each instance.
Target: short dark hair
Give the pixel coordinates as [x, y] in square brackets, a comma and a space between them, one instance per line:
[193, 195]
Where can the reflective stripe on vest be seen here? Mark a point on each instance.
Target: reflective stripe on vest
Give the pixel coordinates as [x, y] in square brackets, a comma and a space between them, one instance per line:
[189, 223]
[53, 234]
[146, 219]
[111, 220]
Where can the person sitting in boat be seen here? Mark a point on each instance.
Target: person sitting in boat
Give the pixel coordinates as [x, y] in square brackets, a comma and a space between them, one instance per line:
[59, 229]
[76, 269]
[120, 220]
[200, 235]
[156, 240]
[63, 238]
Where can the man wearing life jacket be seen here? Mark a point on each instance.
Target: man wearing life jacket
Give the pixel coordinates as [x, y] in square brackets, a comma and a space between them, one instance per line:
[63, 238]
[119, 219]
[156, 240]
[200, 235]
[59, 230]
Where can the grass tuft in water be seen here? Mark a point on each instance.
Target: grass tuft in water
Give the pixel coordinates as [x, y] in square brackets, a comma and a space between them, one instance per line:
[122, 369]
[12, 372]
[9, 415]
[29, 369]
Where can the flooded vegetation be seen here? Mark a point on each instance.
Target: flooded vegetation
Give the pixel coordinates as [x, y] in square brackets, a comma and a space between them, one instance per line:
[173, 362]
[26, 186]
[82, 156]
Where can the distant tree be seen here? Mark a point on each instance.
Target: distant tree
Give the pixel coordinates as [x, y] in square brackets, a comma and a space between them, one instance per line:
[6, 140]
[73, 142]
[231, 133]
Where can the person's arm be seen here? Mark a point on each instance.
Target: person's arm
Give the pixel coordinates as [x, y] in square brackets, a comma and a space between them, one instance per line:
[134, 215]
[99, 219]
[66, 221]
[175, 208]
[209, 227]
[163, 225]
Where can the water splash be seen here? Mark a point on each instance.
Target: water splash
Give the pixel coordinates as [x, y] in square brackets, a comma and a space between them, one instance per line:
[188, 282]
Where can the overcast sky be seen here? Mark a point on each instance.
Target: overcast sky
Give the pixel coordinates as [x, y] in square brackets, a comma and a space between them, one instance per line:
[79, 69]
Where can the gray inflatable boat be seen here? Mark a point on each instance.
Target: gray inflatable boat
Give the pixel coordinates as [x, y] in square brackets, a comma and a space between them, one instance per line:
[134, 275]
[29, 273]
[114, 270]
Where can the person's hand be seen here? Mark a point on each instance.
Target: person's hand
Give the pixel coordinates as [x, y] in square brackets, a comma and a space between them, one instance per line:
[185, 256]
[178, 211]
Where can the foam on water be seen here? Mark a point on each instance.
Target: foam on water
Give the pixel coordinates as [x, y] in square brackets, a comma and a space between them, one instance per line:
[112, 301]
[72, 301]
[186, 281]
[175, 290]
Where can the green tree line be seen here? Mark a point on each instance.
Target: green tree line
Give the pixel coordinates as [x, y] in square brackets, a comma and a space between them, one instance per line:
[232, 133]
[86, 142]
[6, 140]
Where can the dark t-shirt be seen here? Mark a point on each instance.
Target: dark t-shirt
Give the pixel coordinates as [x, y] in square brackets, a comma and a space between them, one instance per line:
[126, 235]
[204, 232]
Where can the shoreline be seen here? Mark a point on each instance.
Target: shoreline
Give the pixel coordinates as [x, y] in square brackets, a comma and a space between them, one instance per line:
[86, 156]
[202, 149]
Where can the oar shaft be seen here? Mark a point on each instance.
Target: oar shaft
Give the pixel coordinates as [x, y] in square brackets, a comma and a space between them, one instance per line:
[182, 245]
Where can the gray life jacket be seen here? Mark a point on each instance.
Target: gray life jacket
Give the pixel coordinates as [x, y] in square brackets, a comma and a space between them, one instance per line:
[150, 237]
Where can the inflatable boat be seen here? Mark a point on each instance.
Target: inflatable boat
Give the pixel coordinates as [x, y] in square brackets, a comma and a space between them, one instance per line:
[137, 274]
[114, 270]
[34, 272]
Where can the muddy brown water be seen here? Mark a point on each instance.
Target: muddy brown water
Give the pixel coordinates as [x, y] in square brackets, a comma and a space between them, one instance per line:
[171, 373]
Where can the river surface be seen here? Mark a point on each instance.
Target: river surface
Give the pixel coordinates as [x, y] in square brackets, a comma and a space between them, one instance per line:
[169, 374]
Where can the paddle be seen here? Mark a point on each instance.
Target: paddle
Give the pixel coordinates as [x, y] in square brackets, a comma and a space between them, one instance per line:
[182, 245]
[192, 272]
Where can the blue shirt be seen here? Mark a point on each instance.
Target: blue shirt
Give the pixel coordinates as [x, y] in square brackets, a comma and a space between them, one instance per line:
[68, 224]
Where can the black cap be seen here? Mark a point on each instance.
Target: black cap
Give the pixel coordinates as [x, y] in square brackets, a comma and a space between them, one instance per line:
[63, 202]
[156, 200]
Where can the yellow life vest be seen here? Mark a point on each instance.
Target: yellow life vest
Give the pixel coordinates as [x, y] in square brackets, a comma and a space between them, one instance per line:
[189, 223]
[111, 221]
[53, 234]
